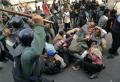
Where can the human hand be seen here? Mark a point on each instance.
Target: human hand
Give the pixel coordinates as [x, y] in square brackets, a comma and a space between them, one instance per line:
[37, 19]
[6, 32]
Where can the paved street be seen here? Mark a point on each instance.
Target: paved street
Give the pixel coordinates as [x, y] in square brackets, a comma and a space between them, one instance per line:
[110, 74]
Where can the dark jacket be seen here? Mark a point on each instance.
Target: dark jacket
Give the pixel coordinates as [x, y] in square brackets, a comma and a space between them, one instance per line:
[116, 25]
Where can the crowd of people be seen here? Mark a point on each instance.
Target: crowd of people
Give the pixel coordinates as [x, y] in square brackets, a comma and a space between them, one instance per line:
[50, 48]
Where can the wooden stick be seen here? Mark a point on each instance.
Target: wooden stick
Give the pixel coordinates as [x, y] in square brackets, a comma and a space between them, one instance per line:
[115, 4]
[26, 15]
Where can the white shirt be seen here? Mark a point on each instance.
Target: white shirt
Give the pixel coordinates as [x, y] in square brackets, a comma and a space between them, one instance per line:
[103, 33]
[106, 17]
[66, 16]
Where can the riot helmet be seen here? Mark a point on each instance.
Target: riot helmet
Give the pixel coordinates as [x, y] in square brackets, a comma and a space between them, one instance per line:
[26, 36]
[16, 22]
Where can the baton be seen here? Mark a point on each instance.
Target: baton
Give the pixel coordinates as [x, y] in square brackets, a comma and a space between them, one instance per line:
[26, 15]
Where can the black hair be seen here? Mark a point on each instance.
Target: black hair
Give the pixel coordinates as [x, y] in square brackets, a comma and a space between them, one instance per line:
[113, 13]
[106, 11]
[94, 41]
[90, 43]
[61, 33]
[67, 35]
[57, 63]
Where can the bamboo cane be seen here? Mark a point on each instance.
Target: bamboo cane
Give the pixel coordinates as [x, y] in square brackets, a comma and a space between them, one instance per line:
[115, 4]
[26, 15]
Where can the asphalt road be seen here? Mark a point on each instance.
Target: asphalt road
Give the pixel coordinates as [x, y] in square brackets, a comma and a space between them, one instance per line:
[110, 74]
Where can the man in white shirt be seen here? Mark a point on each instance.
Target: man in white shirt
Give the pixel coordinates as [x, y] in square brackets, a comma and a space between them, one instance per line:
[103, 19]
[66, 17]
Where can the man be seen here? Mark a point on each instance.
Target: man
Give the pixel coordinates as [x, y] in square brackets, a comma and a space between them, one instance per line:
[66, 17]
[82, 18]
[104, 18]
[58, 37]
[113, 15]
[4, 50]
[33, 42]
[46, 9]
[33, 50]
[5, 18]
[116, 38]
[53, 53]
[55, 19]
[2, 57]
[86, 27]
[78, 44]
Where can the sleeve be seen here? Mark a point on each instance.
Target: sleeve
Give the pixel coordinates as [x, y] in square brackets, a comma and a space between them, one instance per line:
[103, 33]
[2, 37]
[100, 23]
[38, 42]
[84, 54]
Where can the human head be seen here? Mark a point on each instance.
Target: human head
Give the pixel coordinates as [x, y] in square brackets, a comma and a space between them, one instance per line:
[38, 8]
[93, 43]
[50, 53]
[106, 12]
[113, 13]
[61, 33]
[98, 30]
[91, 24]
[68, 35]
[16, 22]
[5, 18]
[26, 37]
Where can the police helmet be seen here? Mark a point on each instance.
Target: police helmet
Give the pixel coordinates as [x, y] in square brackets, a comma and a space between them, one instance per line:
[16, 22]
[26, 36]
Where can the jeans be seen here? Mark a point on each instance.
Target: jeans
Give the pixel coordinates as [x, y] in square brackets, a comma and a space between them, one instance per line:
[66, 26]
[116, 41]
[56, 28]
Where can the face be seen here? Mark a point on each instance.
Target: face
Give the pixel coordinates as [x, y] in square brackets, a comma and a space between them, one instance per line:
[98, 31]
[5, 18]
[93, 44]
[91, 25]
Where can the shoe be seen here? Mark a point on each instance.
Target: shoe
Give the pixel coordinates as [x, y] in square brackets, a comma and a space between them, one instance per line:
[116, 54]
[111, 52]
[110, 57]
[93, 76]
